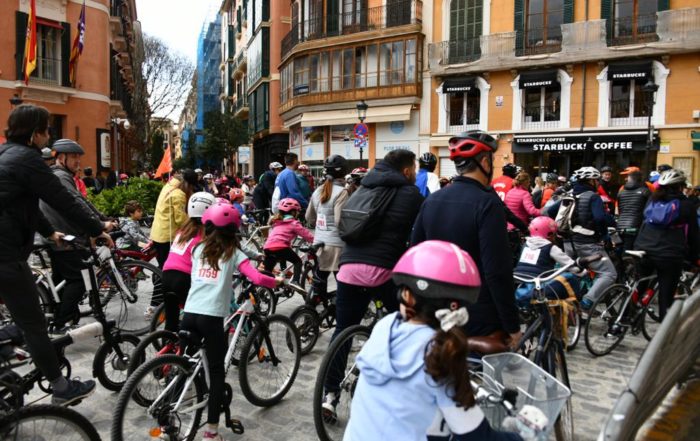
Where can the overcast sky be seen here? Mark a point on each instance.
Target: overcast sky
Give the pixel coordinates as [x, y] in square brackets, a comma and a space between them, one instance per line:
[177, 22]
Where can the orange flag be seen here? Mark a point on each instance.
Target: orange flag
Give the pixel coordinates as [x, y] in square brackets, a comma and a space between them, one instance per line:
[166, 164]
[30, 43]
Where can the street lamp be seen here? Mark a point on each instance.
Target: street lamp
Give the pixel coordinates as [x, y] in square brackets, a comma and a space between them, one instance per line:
[16, 100]
[649, 90]
[361, 115]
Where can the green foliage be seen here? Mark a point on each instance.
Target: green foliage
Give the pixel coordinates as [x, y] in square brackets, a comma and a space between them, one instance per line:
[111, 202]
[223, 133]
[155, 150]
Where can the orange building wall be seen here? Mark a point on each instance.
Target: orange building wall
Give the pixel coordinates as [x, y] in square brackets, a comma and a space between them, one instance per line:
[278, 29]
[682, 88]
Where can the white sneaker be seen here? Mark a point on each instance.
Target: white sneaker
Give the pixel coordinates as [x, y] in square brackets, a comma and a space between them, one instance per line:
[328, 407]
[148, 313]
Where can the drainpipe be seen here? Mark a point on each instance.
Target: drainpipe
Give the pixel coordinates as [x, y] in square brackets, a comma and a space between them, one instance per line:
[583, 96]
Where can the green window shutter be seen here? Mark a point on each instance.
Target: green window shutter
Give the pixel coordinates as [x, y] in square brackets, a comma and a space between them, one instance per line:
[568, 11]
[664, 5]
[519, 26]
[231, 42]
[21, 20]
[65, 55]
[265, 52]
[606, 14]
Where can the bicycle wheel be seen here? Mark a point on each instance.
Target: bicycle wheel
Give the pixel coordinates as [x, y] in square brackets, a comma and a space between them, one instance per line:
[653, 304]
[337, 372]
[564, 426]
[648, 325]
[163, 379]
[268, 375]
[306, 320]
[245, 331]
[266, 300]
[142, 283]
[150, 347]
[158, 319]
[46, 421]
[573, 331]
[604, 330]
[109, 369]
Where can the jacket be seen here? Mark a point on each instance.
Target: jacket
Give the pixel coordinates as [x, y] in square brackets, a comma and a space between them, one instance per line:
[289, 187]
[59, 220]
[680, 240]
[24, 179]
[132, 234]
[502, 185]
[631, 201]
[427, 182]
[170, 213]
[519, 202]
[472, 216]
[283, 233]
[262, 194]
[325, 216]
[304, 186]
[395, 229]
[540, 255]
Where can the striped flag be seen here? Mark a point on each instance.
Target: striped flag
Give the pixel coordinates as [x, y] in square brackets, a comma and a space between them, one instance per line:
[30, 43]
[78, 43]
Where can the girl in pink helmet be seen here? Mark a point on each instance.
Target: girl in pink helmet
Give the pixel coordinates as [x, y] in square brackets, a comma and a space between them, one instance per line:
[214, 262]
[285, 228]
[414, 379]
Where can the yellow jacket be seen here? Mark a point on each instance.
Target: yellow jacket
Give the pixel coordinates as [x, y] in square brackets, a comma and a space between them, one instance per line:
[171, 212]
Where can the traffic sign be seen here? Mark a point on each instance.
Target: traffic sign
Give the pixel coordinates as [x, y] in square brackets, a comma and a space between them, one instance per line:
[361, 143]
[361, 130]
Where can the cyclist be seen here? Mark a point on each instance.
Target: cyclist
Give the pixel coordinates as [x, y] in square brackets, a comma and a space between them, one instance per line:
[236, 196]
[427, 181]
[214, 262]
[504, 183]
[287, 185]
[354, 179]
[324, 212]
[607, 189]
[248, 187]
[66, 263]
[669, 234]
[550, 186]
[262, 194]
[47, 156]
[24, 179]
[631, 200]
[414, 378]
[519, 200]
[303, 183]
[468, 213]
[134, 238]
[305, 172]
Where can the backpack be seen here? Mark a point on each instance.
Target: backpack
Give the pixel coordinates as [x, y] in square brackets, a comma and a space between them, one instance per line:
[361, 217]
[565, 214]
[662, 213]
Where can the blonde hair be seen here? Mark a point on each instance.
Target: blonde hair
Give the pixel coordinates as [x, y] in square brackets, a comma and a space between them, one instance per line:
[522, 179]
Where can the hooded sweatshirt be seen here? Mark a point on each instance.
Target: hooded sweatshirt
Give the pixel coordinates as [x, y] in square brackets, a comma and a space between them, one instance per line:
[396, 400]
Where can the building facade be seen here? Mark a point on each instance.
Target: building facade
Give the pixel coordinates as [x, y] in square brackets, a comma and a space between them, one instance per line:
[106, 100]
[566, 83]
[209, 85]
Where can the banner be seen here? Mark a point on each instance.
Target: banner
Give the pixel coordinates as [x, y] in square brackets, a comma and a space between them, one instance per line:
[78, 43]
[166, 164]
[30, 43]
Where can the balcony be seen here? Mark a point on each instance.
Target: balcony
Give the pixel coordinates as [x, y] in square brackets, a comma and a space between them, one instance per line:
[240, 107]
[407, 12]
[541, 41]
[240, 63]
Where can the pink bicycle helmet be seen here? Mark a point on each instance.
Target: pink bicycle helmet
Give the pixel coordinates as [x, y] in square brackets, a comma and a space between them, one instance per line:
[303, 167]
[438, 270]
[543, 226]
[288, 204]
[222, 215]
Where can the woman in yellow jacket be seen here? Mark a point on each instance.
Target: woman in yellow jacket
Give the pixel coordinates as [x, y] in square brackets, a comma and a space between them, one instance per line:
[171, 212]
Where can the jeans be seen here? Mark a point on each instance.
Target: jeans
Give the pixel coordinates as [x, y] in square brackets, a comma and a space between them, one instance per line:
[176, 286]
[351, 305]
[22, 299]
[212, 330]
[67, 265]
[283, 255]
[605, 273]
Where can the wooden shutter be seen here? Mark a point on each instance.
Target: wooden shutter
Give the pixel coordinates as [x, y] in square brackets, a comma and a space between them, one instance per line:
[21, 35]
[568, 11]
[664, 5]
[606, 14]
[519, 26]
[65, 55]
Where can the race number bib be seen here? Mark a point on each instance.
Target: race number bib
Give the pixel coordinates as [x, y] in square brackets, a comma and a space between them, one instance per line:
[530, 256]
[207, 275]
[179, 248]
[321, 222]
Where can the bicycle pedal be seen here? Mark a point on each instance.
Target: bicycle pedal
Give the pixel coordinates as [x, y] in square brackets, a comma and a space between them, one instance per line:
[237, 427]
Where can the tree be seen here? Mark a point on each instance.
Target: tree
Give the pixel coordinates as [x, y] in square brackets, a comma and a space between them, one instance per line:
[167, 75]
[223, 134]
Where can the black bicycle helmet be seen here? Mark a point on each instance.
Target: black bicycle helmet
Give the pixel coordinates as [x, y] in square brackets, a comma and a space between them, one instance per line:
[335, 166]
[510, 170]
[663, 167]
[606, 168]
[67, 146]
[552, 177]
[427, 160]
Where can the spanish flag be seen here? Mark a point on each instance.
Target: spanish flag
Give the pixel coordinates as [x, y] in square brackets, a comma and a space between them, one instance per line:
[30, 43]
[78, 43]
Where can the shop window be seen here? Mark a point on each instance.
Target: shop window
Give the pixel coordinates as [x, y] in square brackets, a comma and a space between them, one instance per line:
[465, 30]
[629, 105]
[542, 107]
[543, 25]
[463, 111]
[633, 21]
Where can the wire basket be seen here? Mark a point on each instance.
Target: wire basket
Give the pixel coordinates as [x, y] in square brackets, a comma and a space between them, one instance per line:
[535, 387]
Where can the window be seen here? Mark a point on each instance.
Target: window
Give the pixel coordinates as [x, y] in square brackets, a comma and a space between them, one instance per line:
[398, 12]
[313, 73]
[324, 72]
[354, 16]
[48, 63]
[464, 110]
[410, 61]
[543, 25]
[372, 60]
[542, 105]
[348, 55]
[392, 63]
[465, 30]
[301, 76]
[628, 103]
[634, 20]
[360, 67]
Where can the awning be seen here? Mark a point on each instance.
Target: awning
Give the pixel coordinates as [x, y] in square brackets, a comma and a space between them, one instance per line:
[349, 116]
[457, 85]
[538, 78]
[629, 70]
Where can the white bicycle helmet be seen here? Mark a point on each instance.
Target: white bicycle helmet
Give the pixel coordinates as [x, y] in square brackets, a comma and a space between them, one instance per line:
[673, 176]
[198, 204]
[275, 165]
[587, 173]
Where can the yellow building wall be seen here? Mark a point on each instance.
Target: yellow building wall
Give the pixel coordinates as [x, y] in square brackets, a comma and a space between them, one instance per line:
[680, 148]
[682, 88]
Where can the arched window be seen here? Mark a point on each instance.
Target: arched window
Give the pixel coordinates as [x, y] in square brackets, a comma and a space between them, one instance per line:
[466, 22]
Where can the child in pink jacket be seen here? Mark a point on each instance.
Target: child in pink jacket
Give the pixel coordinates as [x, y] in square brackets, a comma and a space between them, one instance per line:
[285, 228]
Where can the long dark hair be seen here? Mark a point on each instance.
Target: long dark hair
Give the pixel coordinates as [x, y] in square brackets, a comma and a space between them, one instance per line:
[24, 121]
[219, 244]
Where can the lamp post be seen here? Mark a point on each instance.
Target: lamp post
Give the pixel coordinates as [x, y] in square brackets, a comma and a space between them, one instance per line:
[361, 115]
[649, 90]
[16, 100]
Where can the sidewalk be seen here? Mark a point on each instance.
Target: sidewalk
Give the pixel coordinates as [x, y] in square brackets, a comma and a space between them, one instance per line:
[678, 418]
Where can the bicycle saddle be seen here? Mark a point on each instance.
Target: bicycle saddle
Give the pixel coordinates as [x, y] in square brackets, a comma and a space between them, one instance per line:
[490, 344]
[189, 337]
[636, 253]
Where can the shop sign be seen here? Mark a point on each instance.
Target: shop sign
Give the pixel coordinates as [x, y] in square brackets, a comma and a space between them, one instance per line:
[573, 142]
[243, 154]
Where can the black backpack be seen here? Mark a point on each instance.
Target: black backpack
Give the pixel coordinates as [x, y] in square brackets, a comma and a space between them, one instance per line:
[361, 217]
[537, 198]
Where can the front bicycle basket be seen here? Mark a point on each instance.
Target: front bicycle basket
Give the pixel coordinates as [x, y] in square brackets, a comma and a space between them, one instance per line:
[535, 387]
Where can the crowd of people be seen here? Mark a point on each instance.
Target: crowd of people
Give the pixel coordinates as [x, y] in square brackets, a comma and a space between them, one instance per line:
[437, 252]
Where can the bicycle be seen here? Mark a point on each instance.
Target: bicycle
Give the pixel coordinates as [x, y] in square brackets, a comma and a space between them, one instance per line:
[173, 388]
[619, 309]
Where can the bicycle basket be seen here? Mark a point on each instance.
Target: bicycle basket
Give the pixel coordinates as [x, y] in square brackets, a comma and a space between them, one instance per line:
[534, 385]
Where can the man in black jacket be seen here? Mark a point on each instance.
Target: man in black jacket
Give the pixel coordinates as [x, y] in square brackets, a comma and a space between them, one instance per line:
[24, 179]
[469, 214]
[262, 195]
[631, 201]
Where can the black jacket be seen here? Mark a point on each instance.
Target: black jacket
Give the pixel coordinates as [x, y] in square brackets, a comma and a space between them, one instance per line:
[262, 195]
[677, 242]
[395, 230]
[470, 215]
[630, 204]
[24, 179]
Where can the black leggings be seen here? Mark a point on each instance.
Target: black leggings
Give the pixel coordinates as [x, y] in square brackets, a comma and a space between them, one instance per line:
[212, 330]
[22, 299]
[67, 265]
[320, 281]
[668, 274]
[283, 255]
[176, 285]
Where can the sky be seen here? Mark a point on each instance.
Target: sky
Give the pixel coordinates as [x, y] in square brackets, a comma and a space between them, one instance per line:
[177, 22]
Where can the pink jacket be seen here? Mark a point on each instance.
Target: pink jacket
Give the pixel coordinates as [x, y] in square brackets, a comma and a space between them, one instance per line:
[519, 201]
[180, 256]
[283, 233]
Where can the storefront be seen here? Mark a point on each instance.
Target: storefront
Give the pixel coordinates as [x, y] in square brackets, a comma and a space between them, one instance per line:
[565, 152]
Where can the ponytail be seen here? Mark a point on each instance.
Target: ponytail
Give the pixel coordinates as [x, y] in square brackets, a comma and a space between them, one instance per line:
[327, 189]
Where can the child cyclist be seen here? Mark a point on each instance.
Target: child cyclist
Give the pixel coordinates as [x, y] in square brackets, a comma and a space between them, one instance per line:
[414, 379]
[236, 195]
[134, 238]
[285, 228]
[214, 261]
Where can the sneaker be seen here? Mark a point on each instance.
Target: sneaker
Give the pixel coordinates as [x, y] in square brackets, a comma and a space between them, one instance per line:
[56, 331]
[328, 407]
[77, 390]
[208, 436]
[586, 305]
[148, 313]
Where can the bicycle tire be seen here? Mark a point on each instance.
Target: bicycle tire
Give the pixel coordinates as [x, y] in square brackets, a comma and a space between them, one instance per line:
[131, 386]
[105, 355]
[648, 325]
[266, 300]
[345, 337]
[307, 321]
[156, 340]
[564, 425]
[574, 328]
[158, 319]
[259, 335]
[78, 424]
[602, 318]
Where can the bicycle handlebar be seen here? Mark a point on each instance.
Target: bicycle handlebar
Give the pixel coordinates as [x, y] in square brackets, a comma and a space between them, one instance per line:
[581, 262]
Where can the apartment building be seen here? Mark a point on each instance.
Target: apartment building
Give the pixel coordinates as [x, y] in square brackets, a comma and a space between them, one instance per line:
[566, 83]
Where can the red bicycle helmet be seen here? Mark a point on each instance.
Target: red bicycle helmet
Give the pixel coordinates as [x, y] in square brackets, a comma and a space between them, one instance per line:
[236, 194]
[467, 145]
[288, 204]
